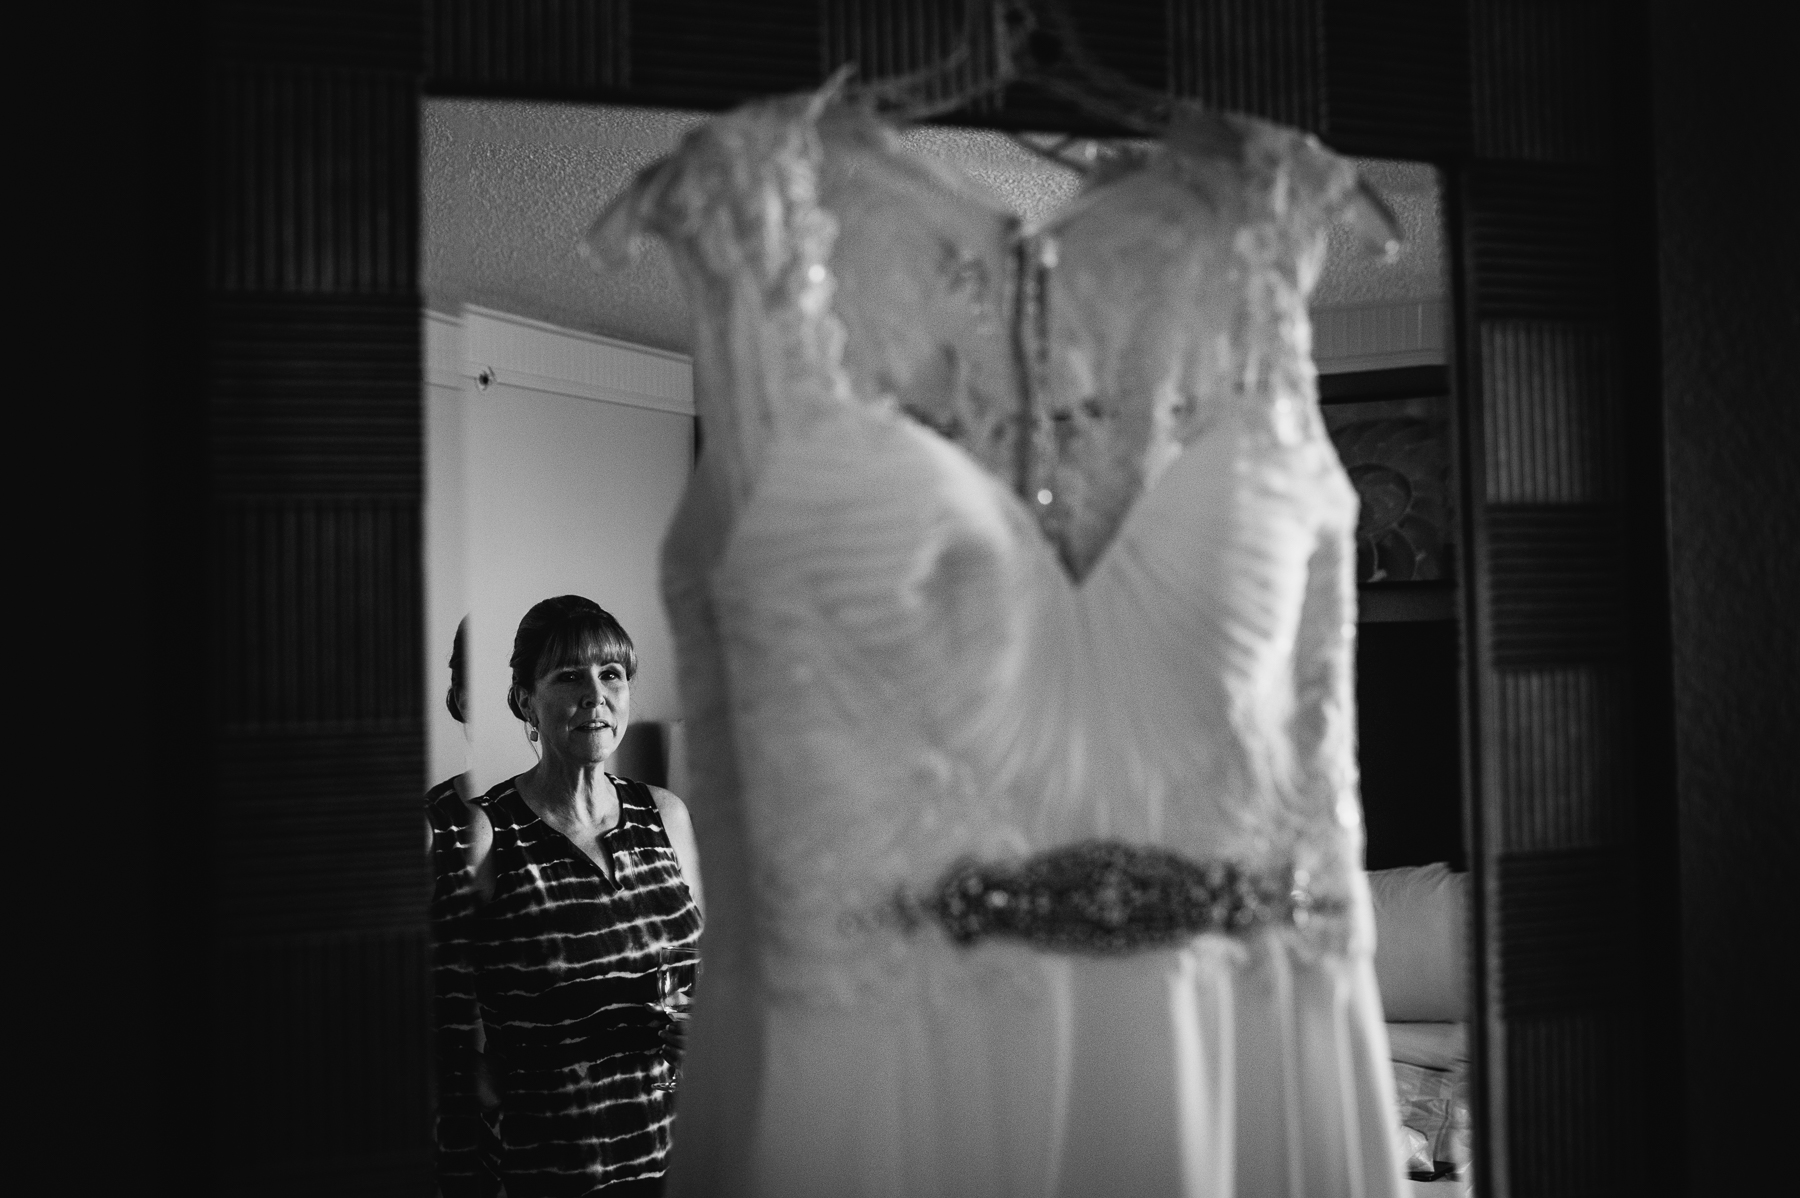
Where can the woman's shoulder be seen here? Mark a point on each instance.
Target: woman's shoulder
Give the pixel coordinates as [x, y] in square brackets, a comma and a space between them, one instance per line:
[460, 831]
[446, 808]
[666, 802]
[485, 812]
[479, 812]
[679, 829]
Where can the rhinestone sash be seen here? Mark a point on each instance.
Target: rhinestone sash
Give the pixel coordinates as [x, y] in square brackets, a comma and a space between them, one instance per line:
[1103, 897]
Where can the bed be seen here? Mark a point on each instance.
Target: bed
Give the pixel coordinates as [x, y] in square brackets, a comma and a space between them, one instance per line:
[1421, 963]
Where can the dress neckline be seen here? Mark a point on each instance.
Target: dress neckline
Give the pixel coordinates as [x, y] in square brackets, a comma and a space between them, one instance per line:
[1255, 189]
[621, 786]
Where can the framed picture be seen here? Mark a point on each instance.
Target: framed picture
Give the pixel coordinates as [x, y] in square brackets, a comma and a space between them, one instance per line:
[1397, 453]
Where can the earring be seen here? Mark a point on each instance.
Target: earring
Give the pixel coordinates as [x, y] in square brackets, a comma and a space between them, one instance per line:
[531, 733]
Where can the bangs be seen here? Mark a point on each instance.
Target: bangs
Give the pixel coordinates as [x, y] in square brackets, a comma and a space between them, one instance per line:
[597, 640]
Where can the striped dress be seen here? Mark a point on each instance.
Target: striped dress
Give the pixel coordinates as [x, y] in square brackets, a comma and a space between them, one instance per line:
[562, 964]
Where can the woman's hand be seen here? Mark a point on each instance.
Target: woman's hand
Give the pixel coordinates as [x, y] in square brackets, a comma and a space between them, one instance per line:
[674, 1030]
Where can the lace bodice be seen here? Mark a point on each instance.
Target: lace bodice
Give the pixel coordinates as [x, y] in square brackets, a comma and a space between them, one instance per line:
[1005, 538]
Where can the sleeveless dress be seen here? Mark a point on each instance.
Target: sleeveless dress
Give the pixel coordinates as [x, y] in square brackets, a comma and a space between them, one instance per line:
[563, 965]
[1014, 600]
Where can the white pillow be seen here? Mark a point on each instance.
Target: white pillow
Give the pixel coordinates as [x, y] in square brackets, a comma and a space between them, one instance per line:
[1442, 1046]
[1421, 948]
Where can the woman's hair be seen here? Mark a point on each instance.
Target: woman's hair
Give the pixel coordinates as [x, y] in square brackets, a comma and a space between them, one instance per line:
[458, 680]
[566, 630]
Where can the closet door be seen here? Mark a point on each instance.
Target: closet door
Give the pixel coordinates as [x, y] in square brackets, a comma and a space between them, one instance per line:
[308, 845]
[1569, 698]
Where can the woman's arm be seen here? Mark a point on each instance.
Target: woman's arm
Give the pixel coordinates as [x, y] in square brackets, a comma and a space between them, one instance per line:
[680, 828]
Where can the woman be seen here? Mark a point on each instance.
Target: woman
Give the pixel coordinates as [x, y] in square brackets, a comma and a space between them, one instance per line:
[580, 883]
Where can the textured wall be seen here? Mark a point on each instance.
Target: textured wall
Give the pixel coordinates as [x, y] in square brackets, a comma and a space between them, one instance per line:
[509, 188]
[1731, 324]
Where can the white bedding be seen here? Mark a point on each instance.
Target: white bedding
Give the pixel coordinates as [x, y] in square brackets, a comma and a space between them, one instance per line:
[1421, 964]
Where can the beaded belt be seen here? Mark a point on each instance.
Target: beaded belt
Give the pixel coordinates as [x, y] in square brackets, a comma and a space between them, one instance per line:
[1107, 897]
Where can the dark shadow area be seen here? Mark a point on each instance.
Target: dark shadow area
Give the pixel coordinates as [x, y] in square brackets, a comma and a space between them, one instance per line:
[1406, 704]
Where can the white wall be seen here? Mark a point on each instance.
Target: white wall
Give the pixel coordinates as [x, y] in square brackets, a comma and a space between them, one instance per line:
[446, 586]
[575, 450]
[1380, 336]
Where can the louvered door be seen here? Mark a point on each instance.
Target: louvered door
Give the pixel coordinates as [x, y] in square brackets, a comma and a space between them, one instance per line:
[1570, 692]
[318, 1006]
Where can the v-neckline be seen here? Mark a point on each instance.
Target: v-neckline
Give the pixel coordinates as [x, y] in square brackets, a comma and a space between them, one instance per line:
[608, 873]
[1032, 249]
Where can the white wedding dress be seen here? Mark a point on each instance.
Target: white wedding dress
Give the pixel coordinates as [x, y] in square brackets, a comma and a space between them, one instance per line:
[1004, 544]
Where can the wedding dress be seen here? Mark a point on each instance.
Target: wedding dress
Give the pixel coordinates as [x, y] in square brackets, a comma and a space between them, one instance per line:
[1014, 603]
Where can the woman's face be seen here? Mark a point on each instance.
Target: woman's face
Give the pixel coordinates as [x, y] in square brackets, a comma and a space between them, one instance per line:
[581, 711]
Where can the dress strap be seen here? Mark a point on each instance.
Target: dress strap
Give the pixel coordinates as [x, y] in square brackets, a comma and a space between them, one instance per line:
[638, 809]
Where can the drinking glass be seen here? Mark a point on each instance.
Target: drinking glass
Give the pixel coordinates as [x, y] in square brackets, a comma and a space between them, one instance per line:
[677, 965]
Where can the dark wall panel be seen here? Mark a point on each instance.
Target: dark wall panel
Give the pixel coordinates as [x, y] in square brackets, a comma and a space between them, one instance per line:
[1567, 701]
[306, 1017]
[316, 1010]
[1407, 743]
[1564, 1072]
[378, 35]
[1560, 754]
[1560, 911]
[1549, 390]
[312, 832]
[1544, 240]
[320, 634]
[573, 48]
[1729, 302]
[1263, 57]
[1542, 81]
[314, 394]
[311, 177]
[694, 54]
[1397, 78]
[1553, 582]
